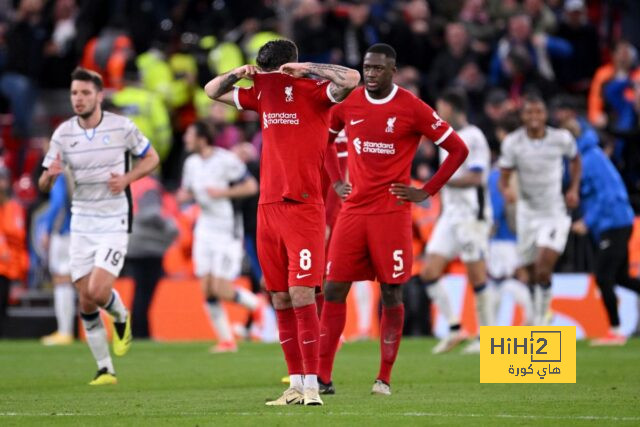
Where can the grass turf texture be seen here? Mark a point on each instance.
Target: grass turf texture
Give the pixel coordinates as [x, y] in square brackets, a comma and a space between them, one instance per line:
[182, 384]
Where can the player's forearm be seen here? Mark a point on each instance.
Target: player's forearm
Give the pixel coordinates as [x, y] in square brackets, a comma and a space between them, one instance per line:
[222, 84]
[344, 79]
[458, 152]
[144, 167]
[45, 182]
[468, 179]
[503, 182]
[247, 188]
[331, 163]
[575, 173]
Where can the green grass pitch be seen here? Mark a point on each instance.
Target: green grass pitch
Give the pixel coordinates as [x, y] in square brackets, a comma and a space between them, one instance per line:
[181, 384]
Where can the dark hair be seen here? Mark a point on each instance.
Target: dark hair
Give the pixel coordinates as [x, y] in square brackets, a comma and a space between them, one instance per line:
[275, 53]
[383, 49]
[203, 130]
[509, 123]
[457, 98]
[87, 76]
[532, 97]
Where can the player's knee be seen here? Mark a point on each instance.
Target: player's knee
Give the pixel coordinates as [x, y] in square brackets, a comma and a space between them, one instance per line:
[302, 296]
[391, 295]
[543, 274]
[280, 300]
[336, 292]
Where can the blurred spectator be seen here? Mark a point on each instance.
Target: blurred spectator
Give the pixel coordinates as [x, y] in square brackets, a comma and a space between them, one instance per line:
[521, 76]
[13, 252]
[107, 54]
[356, 32]
[576, 74]
[25, 41]
[497, 106]
[629, 11]
[146, 109]
[542, 17]
[477, 19]
[539, 46]
[60, 58]
[455, 64]
[606, 216]
[412, 35]
[315, 43]
[153, 232]
[623, 65]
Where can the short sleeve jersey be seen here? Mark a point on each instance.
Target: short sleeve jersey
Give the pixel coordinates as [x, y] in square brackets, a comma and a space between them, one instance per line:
[220, 170]
[466, 203]
[294, 116]
[539, 164]
[92, 155]
[383, 137]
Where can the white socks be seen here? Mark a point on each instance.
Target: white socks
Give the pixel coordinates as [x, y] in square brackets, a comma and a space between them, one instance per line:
[97, 339]
[484, 305]
[297, 382]
[311, 382]
[541, 304]
[64, 306]
[219, 319]
[439, 296]
[246, 298]
[116, 308]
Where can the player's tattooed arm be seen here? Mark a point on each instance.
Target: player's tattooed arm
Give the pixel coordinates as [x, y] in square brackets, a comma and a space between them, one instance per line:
[343, 79]
[220, 87]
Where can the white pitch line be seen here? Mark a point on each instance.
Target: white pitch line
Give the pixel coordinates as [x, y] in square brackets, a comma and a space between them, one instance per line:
[344, 414]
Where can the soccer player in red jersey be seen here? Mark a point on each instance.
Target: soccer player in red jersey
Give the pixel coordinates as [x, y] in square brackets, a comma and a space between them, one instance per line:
[372, 237]
[294, 113]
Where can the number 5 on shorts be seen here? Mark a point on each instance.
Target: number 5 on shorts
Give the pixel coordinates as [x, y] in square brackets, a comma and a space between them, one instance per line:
[397, 258]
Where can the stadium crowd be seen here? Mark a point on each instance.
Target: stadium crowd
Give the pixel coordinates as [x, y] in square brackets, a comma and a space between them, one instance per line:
[156, 56]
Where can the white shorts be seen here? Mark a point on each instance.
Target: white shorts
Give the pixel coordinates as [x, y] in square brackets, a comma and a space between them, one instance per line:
[106, 251]
[540, 232]
[465, 239]
[503, 259]
[59, 258]
[218, 256]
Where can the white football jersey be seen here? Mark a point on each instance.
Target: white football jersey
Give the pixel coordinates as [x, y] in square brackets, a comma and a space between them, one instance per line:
[470, 202]
[539, 163]
[92, 155]
[219, 171]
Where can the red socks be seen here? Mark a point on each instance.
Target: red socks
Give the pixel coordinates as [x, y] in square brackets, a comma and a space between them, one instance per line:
[334, 317]
[390, 336]
[308, 337]
[288, 330]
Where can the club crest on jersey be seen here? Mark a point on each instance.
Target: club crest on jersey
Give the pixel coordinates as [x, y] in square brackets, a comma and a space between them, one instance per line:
[391, 121]
[106, 140]
[438, 122]
[357, 144]
[288, 94]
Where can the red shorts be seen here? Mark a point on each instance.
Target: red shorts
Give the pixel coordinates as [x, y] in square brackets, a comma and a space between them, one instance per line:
[366, 247]
[290, 243]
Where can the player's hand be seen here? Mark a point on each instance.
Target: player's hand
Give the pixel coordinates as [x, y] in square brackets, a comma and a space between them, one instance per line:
[216, 193]
[246, 72]
[510, 195]
[295, 69]
[117, 183]
[55, 168]
[572, 198]
[343, 189]
[405, 192]
[44, 241]
[579, 227]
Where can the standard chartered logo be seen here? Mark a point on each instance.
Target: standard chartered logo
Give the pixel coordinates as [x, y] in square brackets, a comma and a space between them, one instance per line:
[374, 147]
[269, 119]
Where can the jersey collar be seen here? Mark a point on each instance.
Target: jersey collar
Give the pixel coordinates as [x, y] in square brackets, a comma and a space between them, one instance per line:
[384, 100]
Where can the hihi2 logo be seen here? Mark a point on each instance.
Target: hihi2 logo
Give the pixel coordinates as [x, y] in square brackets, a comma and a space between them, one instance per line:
[527, 354]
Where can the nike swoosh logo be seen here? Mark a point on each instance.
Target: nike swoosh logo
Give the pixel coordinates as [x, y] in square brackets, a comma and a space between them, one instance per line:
[396, 275]
[323, 335]
[259, 94]
[302, 276]
[308, 342]
[290, 401]
[286, 341]
[73, 144]
[355, 122]
[389, 342]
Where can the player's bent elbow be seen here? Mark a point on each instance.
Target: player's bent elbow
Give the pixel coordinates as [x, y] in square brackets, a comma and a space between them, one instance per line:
[353, 78]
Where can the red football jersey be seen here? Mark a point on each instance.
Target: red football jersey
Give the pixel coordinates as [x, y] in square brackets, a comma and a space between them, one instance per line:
[383, 137]
[294, 113]
[332, 202]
